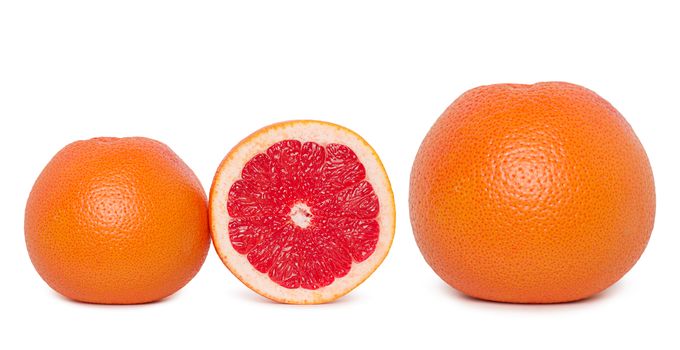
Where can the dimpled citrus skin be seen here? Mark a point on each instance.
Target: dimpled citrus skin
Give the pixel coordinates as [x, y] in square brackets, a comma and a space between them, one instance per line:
[531, 194]
[117, 221]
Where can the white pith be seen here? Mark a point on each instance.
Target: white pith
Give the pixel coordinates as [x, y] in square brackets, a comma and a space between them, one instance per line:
[303, 131]
[301, 215]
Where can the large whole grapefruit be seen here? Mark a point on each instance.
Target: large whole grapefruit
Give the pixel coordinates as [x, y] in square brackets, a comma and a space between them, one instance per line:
[302, 211]
[117, 221]
[531, 194]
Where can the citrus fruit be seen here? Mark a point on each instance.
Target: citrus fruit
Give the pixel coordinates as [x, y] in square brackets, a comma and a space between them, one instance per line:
[117, 221]
[302, 212]
[531, 194]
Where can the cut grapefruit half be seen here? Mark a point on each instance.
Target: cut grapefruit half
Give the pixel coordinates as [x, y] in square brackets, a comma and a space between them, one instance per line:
[302, 212]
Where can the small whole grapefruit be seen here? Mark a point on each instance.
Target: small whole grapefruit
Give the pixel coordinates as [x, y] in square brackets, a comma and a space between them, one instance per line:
[117, 221]
[531, 194]
[302, 212]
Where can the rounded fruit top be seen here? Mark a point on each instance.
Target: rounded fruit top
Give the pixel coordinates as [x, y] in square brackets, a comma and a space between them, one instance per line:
[531, 193]
[117, 221]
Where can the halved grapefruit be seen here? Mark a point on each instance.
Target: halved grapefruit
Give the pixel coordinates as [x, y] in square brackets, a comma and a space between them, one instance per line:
[302, 212]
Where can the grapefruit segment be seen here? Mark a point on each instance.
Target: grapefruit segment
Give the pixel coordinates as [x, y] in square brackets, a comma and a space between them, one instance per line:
[302, 211]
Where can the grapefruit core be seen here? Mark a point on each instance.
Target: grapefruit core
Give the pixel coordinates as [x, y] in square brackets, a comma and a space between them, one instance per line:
[302, 212]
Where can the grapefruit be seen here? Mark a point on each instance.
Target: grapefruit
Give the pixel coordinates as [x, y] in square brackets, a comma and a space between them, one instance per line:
[302, 212]
[117, 221]
[531, 194]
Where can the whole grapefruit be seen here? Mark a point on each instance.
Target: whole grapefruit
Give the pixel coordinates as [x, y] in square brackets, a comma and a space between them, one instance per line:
[531, 194]
[117, 221]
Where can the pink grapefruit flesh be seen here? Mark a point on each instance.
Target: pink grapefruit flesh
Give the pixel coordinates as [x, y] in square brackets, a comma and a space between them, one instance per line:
[302, 212]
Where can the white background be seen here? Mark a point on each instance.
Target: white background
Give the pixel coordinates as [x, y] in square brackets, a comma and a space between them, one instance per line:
[201, 75]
